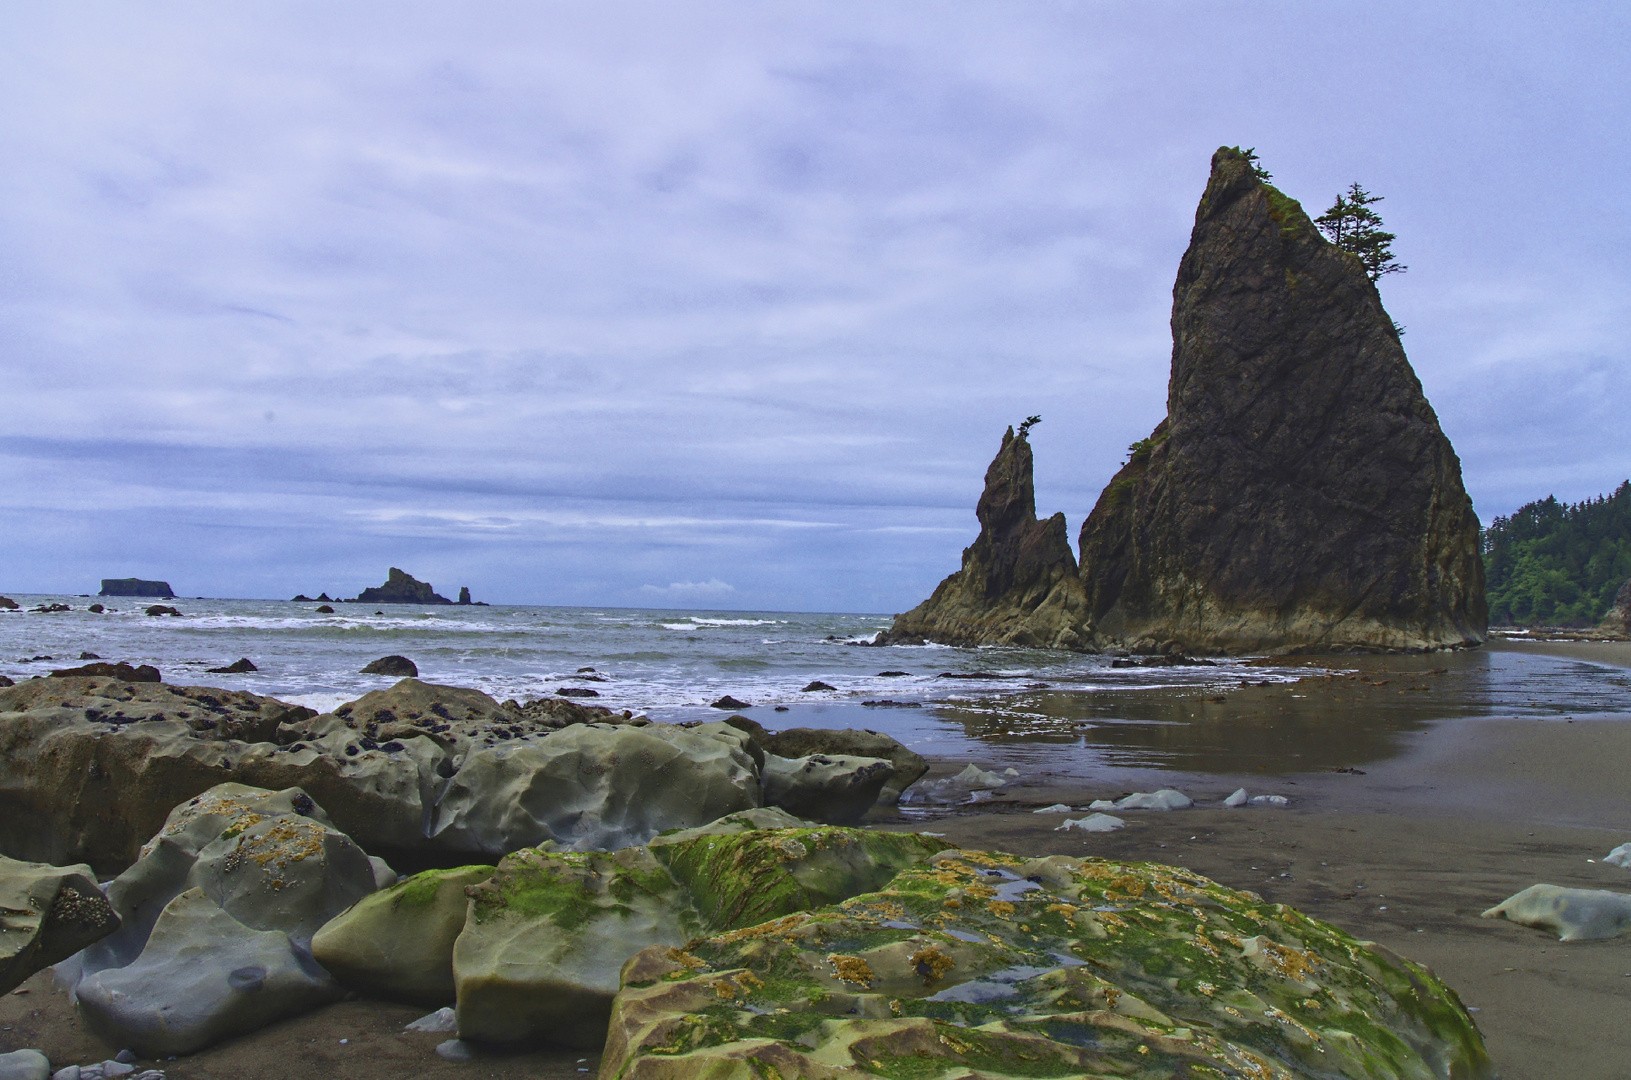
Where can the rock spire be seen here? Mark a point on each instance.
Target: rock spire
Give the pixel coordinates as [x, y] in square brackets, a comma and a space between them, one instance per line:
[1018, 584]
[1300, 494]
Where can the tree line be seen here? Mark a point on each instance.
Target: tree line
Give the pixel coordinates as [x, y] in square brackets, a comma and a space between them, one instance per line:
[1556, 564]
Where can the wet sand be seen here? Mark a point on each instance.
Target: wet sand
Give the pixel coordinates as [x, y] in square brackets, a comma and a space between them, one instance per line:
[1443, 820]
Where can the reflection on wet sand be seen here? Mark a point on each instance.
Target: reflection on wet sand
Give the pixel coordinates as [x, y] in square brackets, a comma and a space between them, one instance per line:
[1341, 713]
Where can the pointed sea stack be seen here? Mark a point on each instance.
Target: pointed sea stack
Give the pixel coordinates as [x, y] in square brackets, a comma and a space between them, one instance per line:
[1299, 496]
[400, 588]
[1018, 584]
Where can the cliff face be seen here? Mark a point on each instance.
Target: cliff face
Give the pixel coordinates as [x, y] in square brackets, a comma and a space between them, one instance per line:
[1618, 619]
[1299, 494]
[1018, 584]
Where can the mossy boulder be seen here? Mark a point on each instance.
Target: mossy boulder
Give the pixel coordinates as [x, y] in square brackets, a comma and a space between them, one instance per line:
[990, 965]
[398, 943]
[547, 934]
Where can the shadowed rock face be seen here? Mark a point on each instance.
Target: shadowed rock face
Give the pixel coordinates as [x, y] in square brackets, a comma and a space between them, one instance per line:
[1299, 494]
[1618, 619]
[1018, 584]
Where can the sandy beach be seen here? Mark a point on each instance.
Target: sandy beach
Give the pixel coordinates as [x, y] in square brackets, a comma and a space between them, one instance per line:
[1407, 852]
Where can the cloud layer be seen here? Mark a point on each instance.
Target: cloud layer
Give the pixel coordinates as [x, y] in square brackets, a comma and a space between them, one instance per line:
[565, 301]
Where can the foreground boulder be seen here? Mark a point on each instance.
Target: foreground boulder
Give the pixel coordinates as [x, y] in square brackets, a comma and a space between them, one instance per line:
[47, 913]
[1018, 584]
[1299, 493]
[546, 936]
[989, 965]
[595, 786]
[217, 918]
[398, 942]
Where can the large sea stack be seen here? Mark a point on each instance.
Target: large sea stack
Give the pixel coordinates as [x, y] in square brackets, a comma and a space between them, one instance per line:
[1299, 495]
[401, 588]
[1018, 584]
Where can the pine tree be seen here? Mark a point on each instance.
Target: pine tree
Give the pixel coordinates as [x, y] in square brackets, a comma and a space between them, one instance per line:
[1354, 227]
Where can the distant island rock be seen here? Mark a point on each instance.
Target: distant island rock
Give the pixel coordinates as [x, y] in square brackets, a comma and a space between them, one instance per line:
[129, 586]
[1019, 583]
[1299, 495]
[401, 588]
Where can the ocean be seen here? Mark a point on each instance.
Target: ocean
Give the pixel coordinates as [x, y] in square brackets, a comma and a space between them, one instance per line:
[1065, 713]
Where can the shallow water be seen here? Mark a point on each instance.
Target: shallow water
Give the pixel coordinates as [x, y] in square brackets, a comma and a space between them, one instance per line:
[1069, 713]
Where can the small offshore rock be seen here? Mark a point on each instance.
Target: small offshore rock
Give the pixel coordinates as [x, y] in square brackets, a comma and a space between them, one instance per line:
[7, 604]
[577, 691]
[1092, 823]
[24, 1065]
[121, 670]
[325, 610]
[398, 667]
[817, 685]
[1572, 914]
[162, 609]
[1237, 799]
[728, 702]
[94, 609]
[89, 656]
[237, 667]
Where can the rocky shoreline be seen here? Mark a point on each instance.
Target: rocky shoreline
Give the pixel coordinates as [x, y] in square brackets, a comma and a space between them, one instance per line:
[250, 838]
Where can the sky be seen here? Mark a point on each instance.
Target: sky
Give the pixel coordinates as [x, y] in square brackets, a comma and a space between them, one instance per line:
[727, 305]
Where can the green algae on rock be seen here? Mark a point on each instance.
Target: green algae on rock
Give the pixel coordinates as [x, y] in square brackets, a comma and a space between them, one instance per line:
[547, 934]
[989, 965]
[398, 942]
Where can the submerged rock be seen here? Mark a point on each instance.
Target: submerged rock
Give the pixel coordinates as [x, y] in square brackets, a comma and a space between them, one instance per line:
[990, 965]
[1571, 914]
[47, 913]
[1018, 584]
[241, 666]
[1299, 494]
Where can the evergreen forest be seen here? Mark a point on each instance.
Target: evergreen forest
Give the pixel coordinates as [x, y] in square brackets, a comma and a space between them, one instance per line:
[1553, 564]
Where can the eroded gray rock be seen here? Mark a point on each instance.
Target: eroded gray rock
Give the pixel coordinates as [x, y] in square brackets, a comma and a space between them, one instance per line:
[594, 786]
[47, 913]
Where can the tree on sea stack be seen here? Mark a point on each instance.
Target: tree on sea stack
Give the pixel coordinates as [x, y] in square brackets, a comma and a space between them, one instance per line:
[1354, 227]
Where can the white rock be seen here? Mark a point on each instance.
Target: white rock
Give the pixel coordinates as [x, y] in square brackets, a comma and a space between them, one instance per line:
[975, 777]
[67, 1072]
[1573, 914]
[1620, 856]
[24, 1065]
[1056, 808]
[1164, 799]
[1102, 804]
[113, 1069]
[1269, 800]
[436, 1023]
[455, 1050]
[1093, 823]
[1237, 799]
